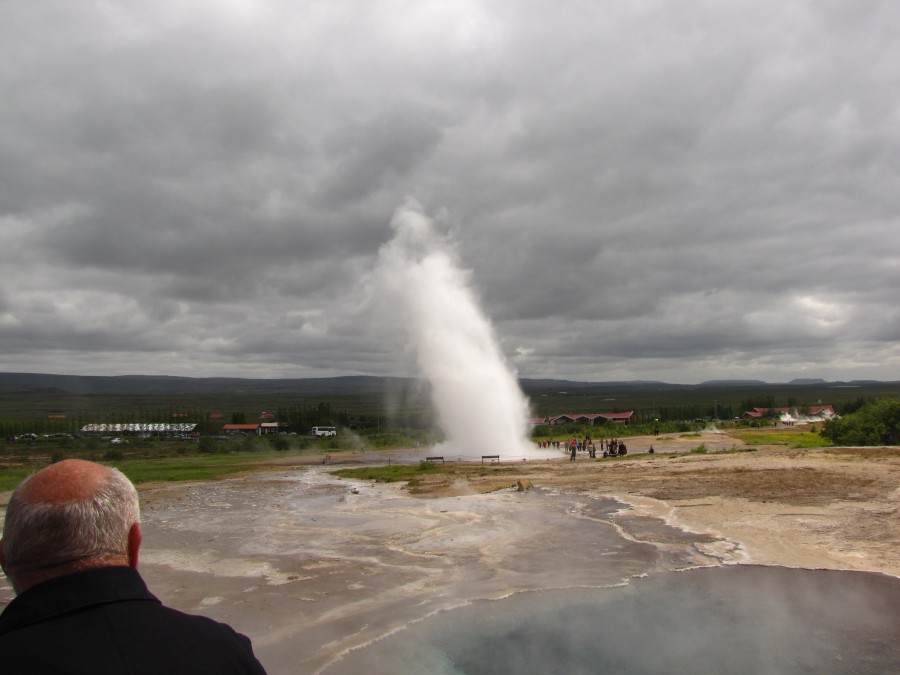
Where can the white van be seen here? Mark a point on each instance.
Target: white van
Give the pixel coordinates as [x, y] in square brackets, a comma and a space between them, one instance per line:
[324, 431]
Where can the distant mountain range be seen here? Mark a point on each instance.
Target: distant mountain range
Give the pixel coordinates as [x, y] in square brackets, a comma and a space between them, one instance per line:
[149, 385]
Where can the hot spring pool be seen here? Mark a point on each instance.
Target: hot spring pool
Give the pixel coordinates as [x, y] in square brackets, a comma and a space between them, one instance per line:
[736, 619]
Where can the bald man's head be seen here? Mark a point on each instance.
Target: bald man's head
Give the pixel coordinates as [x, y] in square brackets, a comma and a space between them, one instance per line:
[69, 516]
[71, 480]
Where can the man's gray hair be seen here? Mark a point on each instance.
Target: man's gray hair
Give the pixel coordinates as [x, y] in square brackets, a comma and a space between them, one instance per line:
[40, 536]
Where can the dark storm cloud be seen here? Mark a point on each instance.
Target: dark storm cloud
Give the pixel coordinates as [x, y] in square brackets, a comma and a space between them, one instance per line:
[360, 157]
[641, 190]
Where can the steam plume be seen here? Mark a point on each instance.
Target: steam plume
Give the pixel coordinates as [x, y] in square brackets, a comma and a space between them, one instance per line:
[478, 401]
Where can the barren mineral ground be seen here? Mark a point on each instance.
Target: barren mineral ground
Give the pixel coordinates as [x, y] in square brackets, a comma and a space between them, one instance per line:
[315, 568]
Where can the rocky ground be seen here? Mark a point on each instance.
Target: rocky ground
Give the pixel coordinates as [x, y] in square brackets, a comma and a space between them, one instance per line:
[313, 566]
[833, 508]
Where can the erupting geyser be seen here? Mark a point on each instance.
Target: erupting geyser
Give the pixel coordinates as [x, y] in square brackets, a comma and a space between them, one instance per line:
[428, 297]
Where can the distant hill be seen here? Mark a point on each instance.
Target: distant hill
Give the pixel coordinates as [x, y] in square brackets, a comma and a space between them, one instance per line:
[537, 387]
[807, 380]
[166, 385]
[149, 385]
[732, 383]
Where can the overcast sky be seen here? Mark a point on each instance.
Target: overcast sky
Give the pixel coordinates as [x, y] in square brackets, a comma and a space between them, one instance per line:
[678, 191]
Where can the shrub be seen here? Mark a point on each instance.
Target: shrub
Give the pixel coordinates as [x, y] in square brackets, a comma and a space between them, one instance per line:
[280, 443]
[207, 445]
[876, 423]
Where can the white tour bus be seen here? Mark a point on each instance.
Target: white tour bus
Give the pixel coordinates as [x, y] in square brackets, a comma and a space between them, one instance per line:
[324, 431]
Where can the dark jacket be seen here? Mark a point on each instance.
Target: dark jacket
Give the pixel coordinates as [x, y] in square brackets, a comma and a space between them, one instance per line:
[105, 621]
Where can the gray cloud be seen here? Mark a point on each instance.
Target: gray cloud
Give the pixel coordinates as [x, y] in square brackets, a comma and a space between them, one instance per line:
[644, 190]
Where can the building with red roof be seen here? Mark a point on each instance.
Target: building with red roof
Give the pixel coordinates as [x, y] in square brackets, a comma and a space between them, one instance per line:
[591, 418]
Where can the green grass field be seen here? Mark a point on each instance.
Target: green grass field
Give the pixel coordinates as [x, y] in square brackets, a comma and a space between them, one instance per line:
[196, 468]
[174, 468]
[794, 438]
[389, 474]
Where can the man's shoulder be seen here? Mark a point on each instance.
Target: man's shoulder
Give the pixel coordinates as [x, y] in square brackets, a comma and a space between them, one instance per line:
[72, 593]
[124, 625]
[176, 621]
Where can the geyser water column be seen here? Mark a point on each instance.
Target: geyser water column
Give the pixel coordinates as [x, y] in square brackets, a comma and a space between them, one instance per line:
[428, 298]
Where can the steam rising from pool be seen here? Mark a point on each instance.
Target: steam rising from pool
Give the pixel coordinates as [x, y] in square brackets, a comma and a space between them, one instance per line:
[429, 298]
[735, 619]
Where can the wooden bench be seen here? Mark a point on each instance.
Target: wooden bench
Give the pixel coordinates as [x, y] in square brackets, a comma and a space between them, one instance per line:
[490, 457]
[434, 459]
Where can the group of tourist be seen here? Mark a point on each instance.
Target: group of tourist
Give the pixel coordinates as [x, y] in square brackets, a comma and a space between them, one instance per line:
[610, 448]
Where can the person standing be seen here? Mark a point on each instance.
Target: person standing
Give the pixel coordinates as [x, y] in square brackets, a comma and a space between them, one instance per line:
[70, 546]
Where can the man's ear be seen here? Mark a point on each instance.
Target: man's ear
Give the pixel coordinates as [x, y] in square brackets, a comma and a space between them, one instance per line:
[135, 537]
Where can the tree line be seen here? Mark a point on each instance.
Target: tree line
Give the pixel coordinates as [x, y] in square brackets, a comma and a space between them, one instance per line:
[872, 423]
